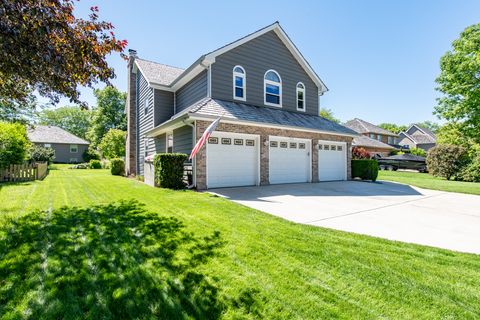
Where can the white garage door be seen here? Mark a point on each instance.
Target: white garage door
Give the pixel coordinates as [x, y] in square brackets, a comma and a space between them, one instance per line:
[332, 161]
[232, 160]
[289, 160]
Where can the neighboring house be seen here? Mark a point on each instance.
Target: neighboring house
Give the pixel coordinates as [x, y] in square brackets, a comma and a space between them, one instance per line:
[372, 138]
[267, 96]
[68, 147]
[418, 137]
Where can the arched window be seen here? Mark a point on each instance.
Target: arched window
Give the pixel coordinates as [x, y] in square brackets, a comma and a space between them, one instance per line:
[300, 96]
[239, 83]
[273, 89]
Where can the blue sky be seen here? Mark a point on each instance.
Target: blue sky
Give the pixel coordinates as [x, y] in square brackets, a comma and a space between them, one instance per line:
[378, 58]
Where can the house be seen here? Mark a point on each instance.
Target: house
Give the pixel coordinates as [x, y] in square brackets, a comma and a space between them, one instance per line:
[267, 96]
[376, 140]
[68, 147]
[417, 137]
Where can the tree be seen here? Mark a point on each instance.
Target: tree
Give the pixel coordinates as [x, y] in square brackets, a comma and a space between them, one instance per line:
[13, 111]
[14, 144]
[113, 144]
[430, 125]
[39, 153]
[72, 119]
[393, 127]
[418, 152]
[109, 113]
[446, 160]
[328, 114]
[45, 48]
[459, 81]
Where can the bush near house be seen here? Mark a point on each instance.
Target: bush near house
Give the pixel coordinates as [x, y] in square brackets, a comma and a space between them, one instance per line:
[365, 169]
[169, 170]
[471, 172]
[95, 164]
[14, 144]
[360, 153]
[90, 154]
[446, 161]
[117, 167]
[39, 153]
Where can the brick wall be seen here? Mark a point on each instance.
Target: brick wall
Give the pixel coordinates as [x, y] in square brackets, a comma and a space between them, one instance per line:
[264, 132]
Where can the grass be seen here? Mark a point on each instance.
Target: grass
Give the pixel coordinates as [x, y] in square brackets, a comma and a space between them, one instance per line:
[75, 246]
[427, 181]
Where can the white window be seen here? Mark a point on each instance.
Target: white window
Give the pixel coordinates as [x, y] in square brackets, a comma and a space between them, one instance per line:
[391, 140]
[379, 137]
[170, 143]
[145, 147]
[239, 83]
[372, 135]
[47, 145]
[273, 89]
[73, 148]
[146, 103]
[300, 96]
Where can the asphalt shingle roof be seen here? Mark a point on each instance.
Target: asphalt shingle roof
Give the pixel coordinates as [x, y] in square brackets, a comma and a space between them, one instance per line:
[246, 112]
[364, 141]
[52, 134]
[157, 72]
[362, 126]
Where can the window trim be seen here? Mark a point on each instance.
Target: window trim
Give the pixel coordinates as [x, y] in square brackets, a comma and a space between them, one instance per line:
[145, 148]
[304, 91]
[146, 105]
[244, 81]
[76, 148]
[279, 84]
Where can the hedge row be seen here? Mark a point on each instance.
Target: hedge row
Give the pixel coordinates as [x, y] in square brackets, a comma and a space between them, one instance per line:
[169, 170]
[365, 169]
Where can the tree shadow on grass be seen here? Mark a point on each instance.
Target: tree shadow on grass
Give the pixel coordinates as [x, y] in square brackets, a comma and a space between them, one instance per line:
[112, 261]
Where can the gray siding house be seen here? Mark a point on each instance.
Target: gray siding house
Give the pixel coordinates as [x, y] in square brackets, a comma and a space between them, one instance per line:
[68, 147]
[267, 97]
[417, 137]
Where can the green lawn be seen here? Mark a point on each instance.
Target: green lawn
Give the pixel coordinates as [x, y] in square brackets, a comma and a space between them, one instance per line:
[427, 181]
[71, 249]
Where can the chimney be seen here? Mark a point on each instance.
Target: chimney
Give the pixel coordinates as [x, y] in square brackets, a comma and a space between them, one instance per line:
[131, 111]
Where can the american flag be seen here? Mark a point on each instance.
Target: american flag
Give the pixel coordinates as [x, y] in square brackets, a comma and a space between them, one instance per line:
[204, 138]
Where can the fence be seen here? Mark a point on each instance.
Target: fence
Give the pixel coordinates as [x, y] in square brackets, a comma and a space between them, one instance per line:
[24, 172]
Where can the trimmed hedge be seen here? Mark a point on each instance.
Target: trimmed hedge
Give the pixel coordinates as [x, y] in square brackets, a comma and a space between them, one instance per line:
[169, 170]
[117, 167]
[95, 164]
[365, 169]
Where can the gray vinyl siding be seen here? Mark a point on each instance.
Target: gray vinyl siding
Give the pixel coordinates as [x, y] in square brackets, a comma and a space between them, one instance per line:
[160, 143]
[145, 121]
[163, 106]
[256, 57]
[183, 140]
[191, 92]
[63, 154]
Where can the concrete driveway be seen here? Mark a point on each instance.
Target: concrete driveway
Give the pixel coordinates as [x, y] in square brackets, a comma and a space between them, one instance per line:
[383, 209]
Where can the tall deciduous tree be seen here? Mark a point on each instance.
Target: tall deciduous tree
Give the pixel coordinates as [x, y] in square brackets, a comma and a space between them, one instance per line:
[113, 144]
[44, 47]
[72, 119]
[328, 114]
[459, 81]
[109, 113]
[432, 126]
[393, 127]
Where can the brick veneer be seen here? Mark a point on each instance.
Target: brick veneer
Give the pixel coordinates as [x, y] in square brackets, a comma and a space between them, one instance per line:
[264, 132]
[131, 143]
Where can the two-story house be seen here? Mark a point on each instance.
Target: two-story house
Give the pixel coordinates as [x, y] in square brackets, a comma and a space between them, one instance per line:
[374, 139]
[267, 96]
[417, 137]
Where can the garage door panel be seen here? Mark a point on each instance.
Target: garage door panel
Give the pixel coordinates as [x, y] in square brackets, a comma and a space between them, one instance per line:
[331, 161]
[232, 162]
[289, 160]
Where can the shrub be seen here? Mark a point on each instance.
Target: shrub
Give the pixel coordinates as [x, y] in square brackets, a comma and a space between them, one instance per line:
[418, 152]
[105, 164]
[14, 144]
[169, 170]
[360, 153]
[95, 164]
[446, 161]
[90, 154]
[39, 153]
[471, 172]
[112, 144]
[365, 169]
[117, 167]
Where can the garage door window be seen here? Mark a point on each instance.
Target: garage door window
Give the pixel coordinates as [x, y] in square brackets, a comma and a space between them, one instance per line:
[339, 148]
[273, 144]
[250, 143]
[283, 144]
[301, 146]
[333, 148]
[293, 145]
[226, 141]
[213, 140]
[326, 147]
[320, 147]
[238, 142]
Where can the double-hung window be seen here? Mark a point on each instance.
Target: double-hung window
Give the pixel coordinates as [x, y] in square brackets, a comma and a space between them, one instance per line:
[273, 89]
[300, 96]
[73, 148]
[239, 83]
[145, 107]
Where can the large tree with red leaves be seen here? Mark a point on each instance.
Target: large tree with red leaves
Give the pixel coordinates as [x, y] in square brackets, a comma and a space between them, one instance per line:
[45, 48]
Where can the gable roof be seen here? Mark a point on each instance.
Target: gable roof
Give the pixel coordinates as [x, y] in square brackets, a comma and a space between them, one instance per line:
[424, 136]
[364, 141]
[362, 126]
[157, 72]
[209, 108]
[52, 134]
[424, 130]
[183, 76]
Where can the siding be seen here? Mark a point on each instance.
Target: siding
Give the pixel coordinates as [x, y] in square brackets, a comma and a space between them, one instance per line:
[183, 140]
[163, 106]
[256, 57]
[160, 143]
[144, 121]
[191, 92]
[62, 152]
